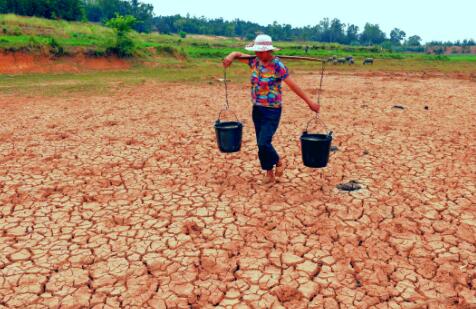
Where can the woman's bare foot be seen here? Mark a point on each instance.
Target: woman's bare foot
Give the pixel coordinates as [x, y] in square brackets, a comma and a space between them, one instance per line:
[269, 177]
[280, 166]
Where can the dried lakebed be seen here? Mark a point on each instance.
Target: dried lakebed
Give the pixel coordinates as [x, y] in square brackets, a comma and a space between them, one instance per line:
[125, 201]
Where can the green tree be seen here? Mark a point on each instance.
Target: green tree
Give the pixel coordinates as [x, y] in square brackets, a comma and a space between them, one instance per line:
[104, 10]
[397, 36]
[123, 25]
[372, 34]
[414, 40]
[336, 31]
[66, 9]
[144, 14]
[324, 29]
[352, 34]
[3, 6]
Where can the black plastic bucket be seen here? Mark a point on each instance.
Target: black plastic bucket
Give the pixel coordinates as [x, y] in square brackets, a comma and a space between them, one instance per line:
[315, 148]
[229, 135]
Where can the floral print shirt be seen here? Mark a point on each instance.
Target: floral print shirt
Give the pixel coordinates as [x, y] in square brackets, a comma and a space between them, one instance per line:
[266, 82]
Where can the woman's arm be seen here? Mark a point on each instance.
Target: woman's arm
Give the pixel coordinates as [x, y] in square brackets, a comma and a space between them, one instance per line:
[232, 56]
[297, 90]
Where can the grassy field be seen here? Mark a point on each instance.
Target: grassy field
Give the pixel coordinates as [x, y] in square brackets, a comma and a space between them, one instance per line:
[29, 33]
[192, 59]
[106, 82]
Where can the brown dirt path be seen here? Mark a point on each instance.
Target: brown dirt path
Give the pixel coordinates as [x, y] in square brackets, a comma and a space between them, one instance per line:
[125, 201]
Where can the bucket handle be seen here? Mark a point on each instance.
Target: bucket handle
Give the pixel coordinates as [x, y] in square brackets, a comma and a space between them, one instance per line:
[226, 110]
[227, 106]
[318, 119]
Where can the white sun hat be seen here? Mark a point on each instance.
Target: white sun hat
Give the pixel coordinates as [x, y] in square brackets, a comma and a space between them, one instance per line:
[262, 43]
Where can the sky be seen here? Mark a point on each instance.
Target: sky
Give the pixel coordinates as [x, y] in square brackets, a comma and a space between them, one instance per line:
[430, 19]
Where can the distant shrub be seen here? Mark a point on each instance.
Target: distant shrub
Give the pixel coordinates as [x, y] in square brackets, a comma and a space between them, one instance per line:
[16, 31]
[250, 36]
[96, 52]
[205, 44]
[55, 48]
[33, 43]
[393, 56]
[171, 51]
[441, 58]
[183, 34]
[124, 45]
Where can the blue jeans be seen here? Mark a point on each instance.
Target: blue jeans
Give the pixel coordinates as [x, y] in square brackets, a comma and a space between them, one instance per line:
[266, 121]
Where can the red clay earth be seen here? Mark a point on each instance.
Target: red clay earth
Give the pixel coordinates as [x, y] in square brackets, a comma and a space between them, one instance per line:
[125, 200]
[18, 62]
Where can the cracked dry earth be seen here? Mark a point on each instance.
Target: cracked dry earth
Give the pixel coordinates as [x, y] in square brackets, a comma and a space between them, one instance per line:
[125, 201]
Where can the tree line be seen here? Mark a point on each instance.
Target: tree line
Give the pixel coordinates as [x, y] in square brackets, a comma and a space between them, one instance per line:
[327, 30]
[53, 9]
[83, 10]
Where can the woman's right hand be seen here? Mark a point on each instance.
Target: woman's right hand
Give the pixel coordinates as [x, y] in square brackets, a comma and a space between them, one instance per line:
[228, 60]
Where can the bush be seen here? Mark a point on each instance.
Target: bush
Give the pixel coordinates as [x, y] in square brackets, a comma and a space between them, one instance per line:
[183, 34]
[33, 43]
[124, 44]
[441, 58]
[96, 52]
[17, 31]
[171, 51]
[55, 48]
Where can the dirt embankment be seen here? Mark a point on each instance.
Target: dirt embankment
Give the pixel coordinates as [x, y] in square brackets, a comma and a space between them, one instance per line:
[21, 62]
[448, 50]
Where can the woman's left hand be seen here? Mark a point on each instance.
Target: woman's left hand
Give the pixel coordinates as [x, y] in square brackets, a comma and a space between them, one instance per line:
[314, 107]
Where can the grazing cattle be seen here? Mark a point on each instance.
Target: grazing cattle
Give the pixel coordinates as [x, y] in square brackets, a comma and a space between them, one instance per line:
[348, 58]
[331, 59]
[340, 60]
[351, 61]
[368, 61]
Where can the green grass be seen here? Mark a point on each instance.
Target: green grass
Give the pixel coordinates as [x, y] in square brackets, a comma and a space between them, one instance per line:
[38, 26]
[30, 33]
[104, 82]
[195, 71]
[192, 59]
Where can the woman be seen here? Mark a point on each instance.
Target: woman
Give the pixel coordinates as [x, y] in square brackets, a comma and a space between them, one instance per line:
[267, 73]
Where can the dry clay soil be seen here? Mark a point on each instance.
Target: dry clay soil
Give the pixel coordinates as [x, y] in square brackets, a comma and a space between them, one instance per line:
[124, 200]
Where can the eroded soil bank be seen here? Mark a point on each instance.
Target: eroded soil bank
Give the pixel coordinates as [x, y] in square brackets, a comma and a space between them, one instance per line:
[19, 63]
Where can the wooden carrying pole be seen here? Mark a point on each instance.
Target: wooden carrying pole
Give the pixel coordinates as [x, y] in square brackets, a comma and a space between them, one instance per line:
[289, 57]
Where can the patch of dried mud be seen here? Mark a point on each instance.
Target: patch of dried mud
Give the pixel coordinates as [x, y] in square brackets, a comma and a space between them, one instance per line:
[125, 201]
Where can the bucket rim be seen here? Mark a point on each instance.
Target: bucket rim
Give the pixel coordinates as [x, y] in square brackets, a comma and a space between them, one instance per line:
[309, 133]
[323, 136]
[228, 124]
